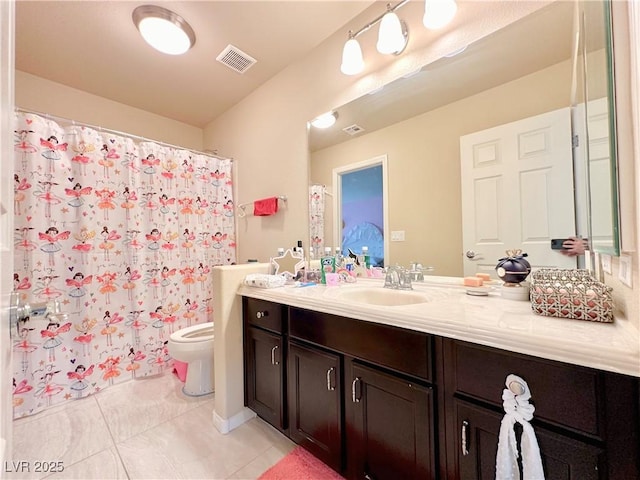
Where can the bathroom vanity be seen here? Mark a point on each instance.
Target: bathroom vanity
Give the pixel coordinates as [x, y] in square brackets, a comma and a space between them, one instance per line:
[412, 389]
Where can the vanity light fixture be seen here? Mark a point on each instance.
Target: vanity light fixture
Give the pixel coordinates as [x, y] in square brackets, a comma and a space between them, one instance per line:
[393, 37]
[437, 13]
[163, 29]
[325, 120]
[352, 61]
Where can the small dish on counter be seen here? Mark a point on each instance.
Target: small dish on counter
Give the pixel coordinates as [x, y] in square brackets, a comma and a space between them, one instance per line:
[482, 291]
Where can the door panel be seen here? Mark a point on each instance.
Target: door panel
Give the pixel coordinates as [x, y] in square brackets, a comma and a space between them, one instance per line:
[391, 435]
[517, 191]
[315, 390]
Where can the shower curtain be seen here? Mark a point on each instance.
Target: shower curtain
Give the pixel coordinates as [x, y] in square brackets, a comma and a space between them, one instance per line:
[316, 219]
[123, 235]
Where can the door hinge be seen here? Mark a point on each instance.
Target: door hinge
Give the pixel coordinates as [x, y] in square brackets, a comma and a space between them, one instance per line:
[575, 141]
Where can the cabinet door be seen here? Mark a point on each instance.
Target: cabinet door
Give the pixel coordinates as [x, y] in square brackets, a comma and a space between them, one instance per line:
[264, 376]
[315, 391]
[563, 458]
[389, 426]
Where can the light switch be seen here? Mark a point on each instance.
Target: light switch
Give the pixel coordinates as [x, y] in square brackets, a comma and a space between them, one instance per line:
[397, 235]
[624, 274]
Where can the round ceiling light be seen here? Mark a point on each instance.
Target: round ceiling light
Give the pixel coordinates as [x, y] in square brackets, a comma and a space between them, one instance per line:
[325, 120]
[163, 29]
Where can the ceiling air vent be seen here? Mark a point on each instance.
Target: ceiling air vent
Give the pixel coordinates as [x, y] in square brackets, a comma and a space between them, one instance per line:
[353, 129]
[236, 59]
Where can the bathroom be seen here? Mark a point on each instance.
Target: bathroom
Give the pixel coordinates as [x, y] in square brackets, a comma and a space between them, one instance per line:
[248, 132]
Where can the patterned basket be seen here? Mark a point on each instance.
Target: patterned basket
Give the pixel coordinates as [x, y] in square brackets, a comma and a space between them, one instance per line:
[571, 294]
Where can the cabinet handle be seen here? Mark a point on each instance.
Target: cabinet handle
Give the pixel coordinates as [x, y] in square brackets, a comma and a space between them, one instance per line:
[262, 314]
[330, 387]
[368, 477]
[465, 427]
[273, 356]
[353, 390]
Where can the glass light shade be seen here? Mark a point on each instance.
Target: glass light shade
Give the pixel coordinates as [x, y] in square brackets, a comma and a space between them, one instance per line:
[352, 61]
[391, 38]
[437, 13]
[325, 120]
[163, 29]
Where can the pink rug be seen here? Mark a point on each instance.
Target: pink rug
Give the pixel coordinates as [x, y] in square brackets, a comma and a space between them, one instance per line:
[300, 465]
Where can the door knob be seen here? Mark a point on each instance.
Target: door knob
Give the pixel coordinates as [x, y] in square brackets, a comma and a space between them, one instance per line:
[471, 255]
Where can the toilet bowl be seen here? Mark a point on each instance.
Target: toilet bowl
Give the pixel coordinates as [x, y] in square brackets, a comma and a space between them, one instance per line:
[194, 346]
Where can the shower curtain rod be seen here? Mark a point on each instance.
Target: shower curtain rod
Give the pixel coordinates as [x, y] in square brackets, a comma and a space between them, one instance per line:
[116, 132]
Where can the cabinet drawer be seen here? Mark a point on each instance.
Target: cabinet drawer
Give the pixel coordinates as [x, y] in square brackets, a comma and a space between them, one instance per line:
[263, 314]
[563, 394]
[401, 350]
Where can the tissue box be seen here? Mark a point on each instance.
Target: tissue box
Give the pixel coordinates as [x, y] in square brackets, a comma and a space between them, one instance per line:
[571, 294]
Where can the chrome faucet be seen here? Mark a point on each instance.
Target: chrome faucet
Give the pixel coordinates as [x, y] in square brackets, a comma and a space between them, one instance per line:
[397, 278]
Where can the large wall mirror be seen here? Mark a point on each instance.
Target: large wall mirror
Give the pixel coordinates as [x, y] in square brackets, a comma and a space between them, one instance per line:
[520, 72]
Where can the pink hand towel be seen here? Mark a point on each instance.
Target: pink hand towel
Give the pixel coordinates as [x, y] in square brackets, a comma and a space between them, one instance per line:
[266, 206]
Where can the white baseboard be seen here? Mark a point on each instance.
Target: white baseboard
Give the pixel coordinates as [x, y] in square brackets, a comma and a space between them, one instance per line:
[224, 426]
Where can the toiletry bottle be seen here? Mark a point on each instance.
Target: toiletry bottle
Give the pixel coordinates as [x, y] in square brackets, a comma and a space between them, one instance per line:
[327, 265]
[366, 259]
[300, 250]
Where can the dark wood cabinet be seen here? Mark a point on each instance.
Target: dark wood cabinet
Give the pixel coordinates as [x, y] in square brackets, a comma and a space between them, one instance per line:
[389, 425]
[264, 376]
[315, 402]
[375, 401]
[563, 457]
[575, 421]
[265, 360]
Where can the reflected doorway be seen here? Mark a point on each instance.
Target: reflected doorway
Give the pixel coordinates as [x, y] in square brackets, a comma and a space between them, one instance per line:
[360, 203]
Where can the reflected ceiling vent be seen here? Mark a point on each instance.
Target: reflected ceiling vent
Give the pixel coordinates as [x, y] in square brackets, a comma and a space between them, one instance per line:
[236, 59]
[353, 129]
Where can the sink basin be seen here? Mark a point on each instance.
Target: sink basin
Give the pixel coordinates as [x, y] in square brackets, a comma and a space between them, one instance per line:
[383, 296]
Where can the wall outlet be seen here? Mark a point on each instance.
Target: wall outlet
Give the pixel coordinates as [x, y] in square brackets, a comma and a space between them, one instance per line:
[624, 274]
[606, 263]
[397, 235]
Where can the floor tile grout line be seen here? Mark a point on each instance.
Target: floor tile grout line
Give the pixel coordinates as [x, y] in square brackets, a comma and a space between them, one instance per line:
[113, 440]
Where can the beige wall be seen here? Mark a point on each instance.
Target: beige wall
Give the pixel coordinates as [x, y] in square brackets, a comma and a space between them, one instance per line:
[424, 163]
[266, 133]
[40, 95]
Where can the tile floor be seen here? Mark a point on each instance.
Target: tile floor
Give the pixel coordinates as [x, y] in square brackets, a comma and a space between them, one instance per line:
[144, 429]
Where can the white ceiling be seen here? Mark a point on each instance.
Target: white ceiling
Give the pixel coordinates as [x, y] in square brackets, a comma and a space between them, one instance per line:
[94, 46]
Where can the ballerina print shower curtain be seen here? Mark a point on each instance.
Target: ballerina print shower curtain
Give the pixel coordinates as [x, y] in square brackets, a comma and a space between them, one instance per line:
[123, 235]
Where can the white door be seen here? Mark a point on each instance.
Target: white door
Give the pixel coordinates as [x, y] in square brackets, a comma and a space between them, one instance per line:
[6, 222]
[517, 191]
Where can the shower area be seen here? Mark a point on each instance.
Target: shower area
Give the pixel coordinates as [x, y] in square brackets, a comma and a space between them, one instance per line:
[120, 234]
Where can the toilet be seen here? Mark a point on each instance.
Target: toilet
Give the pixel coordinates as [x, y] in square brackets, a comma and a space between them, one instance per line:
[194, 346]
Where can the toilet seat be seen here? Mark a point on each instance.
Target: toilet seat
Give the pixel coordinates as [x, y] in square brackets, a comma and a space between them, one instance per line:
[194, 334]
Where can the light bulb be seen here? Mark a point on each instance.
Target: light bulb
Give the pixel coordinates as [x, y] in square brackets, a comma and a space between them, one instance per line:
[352, 61]
[437, 13]
[164, 36]
[325, 120]
[391, 38]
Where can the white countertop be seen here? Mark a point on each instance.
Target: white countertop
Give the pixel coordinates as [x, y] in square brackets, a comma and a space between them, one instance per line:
[491, 320]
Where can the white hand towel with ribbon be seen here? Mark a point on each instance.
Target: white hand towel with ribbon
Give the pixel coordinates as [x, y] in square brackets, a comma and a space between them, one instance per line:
[515, 400]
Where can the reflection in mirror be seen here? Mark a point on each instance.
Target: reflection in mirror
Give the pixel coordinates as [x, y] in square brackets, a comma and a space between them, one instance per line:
[595, 111]
[418, 121]
[359, 196]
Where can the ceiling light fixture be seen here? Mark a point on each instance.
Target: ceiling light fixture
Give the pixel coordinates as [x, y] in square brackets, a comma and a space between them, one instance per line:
[325, 120]
[393, 37]
[437, 13]
[163, 29]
